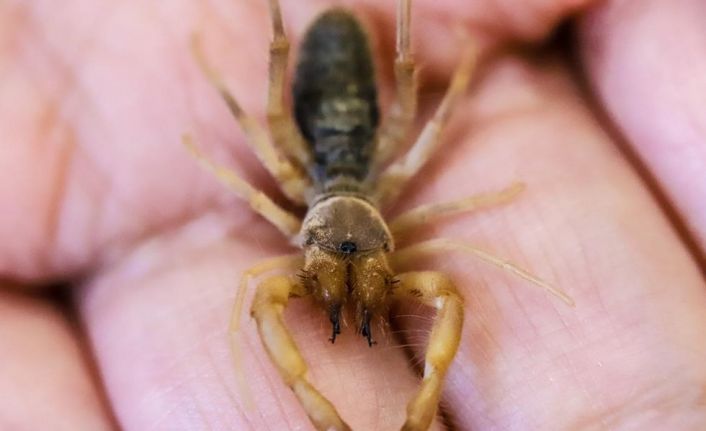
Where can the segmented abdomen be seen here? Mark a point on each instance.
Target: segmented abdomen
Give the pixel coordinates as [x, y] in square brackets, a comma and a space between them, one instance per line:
[335, 99]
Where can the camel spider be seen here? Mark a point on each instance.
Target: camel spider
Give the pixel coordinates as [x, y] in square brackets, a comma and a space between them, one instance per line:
[330, 157]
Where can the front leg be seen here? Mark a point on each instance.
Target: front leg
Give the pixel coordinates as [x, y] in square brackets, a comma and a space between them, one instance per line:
[270, 301]
[437, 290]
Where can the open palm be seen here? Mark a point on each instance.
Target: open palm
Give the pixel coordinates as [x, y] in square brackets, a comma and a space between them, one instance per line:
[98, 192]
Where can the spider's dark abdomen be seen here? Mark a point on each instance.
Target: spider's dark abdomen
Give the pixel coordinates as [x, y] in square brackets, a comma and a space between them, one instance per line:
[335, 100]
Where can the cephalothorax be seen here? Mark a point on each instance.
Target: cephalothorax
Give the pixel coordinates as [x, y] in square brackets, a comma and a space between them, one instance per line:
[346, 242]
[336, 155]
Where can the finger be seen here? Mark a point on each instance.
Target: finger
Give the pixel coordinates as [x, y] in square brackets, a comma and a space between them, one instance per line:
[45, 380]
[646, 61]
[631, 350]
[165, 311]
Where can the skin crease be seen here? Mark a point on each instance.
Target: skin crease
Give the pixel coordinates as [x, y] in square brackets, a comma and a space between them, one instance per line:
[95, 95]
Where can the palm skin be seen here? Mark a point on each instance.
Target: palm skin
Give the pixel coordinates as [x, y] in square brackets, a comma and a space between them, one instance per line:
[98, 191]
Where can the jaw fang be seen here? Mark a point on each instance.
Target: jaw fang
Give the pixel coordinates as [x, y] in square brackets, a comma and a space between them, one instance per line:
[365, 328]
[335, 318]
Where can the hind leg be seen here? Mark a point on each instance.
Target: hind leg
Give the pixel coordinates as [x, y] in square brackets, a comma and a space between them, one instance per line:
[270, 301]
[285, 133]
[436, 290]
[398, 122]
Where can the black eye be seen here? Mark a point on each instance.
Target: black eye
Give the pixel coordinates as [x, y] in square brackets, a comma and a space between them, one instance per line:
[347, 247]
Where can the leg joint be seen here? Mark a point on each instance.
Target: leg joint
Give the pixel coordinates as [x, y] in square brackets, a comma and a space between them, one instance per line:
[430, 284]
[274, 291]
[279, 45]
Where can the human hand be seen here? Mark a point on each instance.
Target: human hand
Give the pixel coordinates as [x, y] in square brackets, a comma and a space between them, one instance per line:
[99, 192]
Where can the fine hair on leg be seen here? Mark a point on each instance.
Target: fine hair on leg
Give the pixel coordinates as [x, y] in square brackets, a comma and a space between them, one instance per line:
[402, 256]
